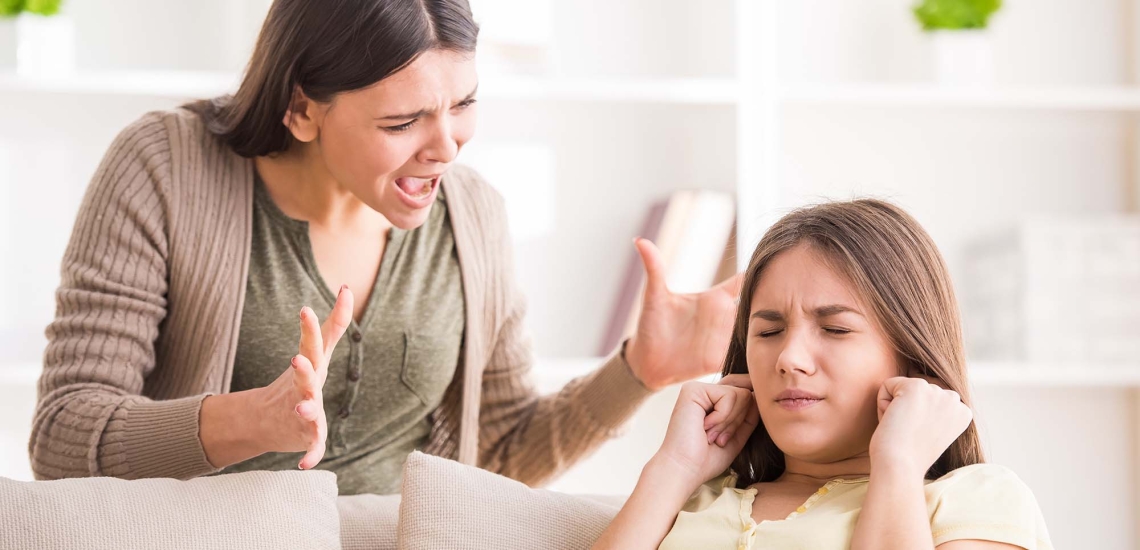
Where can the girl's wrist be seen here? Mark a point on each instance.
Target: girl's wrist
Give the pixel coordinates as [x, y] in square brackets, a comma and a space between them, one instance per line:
[671, 475]
[896, 467]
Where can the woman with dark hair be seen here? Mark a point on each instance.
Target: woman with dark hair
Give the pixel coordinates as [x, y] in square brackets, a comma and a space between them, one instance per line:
[844, 411]
[326, 185]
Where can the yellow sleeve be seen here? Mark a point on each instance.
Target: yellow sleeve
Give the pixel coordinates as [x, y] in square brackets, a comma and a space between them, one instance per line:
[986, 502]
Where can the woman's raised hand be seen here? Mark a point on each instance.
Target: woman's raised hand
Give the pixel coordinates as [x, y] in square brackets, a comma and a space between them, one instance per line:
[293, 404]
[679, 336]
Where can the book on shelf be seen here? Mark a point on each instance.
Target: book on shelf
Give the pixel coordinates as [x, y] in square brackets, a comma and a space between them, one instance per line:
[695, 232]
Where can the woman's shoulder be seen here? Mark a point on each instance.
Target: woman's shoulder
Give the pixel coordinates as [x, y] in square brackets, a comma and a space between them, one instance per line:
[466, 185]
[165, 137]
[477, 211]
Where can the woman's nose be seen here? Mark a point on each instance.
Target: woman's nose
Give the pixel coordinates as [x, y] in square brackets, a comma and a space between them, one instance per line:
[442, 146]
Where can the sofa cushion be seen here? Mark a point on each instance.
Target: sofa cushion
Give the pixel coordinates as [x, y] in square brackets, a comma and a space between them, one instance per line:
[368, 522]
[290, 509]
[450, 505]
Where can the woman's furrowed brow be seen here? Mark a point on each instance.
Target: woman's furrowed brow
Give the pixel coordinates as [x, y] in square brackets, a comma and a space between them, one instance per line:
[427, 111]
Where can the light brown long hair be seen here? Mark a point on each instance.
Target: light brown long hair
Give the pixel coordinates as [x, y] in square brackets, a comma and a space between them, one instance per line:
[898, 271]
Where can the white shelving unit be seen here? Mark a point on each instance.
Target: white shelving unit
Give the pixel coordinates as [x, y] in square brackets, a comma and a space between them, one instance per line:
[770, 100]
[190, 84]
[1106, 98]
[983, 374]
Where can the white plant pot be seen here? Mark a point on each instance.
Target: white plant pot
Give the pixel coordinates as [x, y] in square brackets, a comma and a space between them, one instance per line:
[45, 46]
[8, 44]
[963, 58]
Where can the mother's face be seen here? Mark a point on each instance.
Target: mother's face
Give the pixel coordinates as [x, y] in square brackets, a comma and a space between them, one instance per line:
[389, 143]
[816, 357]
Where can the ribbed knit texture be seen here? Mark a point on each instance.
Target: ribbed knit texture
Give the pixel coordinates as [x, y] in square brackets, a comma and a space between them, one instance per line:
[149, 305]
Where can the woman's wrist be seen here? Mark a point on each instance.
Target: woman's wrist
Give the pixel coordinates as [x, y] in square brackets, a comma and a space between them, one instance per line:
[227, 427]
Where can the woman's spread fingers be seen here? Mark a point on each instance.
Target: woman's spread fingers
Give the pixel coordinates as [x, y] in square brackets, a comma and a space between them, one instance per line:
[338, 321]
[311, 345]
[308, 410]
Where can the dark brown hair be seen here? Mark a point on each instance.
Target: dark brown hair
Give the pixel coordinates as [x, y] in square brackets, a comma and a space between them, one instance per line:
[896, 268]
[327, 47]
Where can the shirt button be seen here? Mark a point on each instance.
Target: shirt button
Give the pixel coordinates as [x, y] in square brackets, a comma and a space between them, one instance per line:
[801, 510]
[356, 336]
[823, 490]
[345, 411]
[354, 374]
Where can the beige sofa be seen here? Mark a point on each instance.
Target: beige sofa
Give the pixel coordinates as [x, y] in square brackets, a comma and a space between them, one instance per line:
[444, 505]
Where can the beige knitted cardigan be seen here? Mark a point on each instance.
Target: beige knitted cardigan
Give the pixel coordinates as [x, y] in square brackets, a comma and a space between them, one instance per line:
[147, 316]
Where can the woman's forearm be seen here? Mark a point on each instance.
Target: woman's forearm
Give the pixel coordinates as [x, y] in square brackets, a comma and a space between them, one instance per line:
[228, 428]
[648, 515]
[894, 513]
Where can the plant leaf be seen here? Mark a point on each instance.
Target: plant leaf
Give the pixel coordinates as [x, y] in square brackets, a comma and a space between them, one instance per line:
[11, 8]
[955, 14]
[43, 7]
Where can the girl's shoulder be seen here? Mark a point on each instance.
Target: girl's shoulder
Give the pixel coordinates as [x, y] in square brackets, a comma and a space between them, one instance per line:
[970, 477]
[986, 502]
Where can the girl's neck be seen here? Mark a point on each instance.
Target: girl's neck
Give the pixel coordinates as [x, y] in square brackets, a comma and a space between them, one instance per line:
[817, 473]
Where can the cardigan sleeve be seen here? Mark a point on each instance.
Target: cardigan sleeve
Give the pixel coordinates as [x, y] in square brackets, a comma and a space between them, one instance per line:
[91, 418]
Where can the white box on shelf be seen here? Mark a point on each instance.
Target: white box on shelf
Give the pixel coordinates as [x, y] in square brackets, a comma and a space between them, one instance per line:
[1056, 290]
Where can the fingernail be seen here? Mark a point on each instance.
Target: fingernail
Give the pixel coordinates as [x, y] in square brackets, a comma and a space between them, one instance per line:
[294, 361]
[342, 289]
[302, 312]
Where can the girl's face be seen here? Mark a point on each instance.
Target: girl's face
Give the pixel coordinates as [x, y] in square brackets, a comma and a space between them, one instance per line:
[816, 358]
[388, 144]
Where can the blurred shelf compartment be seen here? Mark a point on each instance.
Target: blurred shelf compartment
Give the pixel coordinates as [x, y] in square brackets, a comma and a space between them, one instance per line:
[709, 91]
[190, 84]
[176, 84]
[996, 373]
[553, 372]
[1108, 98]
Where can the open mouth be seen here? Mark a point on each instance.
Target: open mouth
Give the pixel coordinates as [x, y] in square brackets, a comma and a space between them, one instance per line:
[417, 188]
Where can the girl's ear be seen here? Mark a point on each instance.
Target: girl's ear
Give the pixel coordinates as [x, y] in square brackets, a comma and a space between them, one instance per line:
[913, 372]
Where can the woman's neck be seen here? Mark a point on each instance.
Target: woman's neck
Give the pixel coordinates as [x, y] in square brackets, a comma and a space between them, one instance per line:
[802, 471]
[302, 187]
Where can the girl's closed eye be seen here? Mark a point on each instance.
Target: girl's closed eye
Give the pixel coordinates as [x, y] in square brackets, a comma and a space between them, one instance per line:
[399, 128]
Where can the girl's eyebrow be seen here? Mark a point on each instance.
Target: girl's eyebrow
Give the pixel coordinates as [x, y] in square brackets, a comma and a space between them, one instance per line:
[819, 312]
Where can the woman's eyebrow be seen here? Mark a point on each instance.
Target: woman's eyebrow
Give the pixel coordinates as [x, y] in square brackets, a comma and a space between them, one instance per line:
[427, 111]
[822, 311]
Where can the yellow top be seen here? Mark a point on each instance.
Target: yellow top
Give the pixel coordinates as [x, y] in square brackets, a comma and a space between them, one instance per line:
[982, 501]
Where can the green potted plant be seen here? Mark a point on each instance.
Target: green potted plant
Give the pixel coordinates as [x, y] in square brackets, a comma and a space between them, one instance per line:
[35, 39]
[961, 44]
